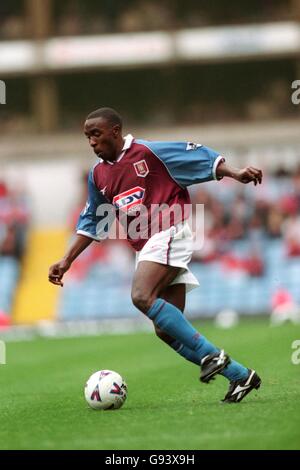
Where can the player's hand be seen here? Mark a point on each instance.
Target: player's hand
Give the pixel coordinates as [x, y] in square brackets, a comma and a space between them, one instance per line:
[56, 272]
[248, 174]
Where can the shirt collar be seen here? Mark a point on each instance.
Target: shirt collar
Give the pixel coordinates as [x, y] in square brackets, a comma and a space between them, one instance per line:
[127, 144]
[128, 141]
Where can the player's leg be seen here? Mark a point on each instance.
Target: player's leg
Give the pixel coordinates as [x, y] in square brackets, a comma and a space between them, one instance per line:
[175, 295]
[152, 278]
[149, 281]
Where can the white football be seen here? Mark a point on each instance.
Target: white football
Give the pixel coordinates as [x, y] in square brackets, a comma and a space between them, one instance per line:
[105, 390]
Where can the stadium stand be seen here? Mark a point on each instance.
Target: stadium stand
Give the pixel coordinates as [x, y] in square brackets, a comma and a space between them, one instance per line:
[248, 256]
[262, 83]
[14, 219]
[9, 273]
[35, 299]
[216, 75]
[74, 17]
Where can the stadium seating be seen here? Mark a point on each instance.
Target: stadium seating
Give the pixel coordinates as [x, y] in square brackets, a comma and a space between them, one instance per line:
[9, 274]
[105, 293]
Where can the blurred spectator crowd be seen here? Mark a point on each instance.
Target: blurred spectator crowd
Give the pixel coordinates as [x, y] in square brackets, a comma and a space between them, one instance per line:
[251, 250]
[249, 262]
[236, 213]
[233, 213]
[14, 219]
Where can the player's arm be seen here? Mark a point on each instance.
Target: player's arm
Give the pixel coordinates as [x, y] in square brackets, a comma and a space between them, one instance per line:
[57, 270]
[93, 224]
[244, 175]
[190, 163]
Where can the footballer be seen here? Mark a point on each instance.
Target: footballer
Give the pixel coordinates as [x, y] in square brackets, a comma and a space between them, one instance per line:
[132, 177]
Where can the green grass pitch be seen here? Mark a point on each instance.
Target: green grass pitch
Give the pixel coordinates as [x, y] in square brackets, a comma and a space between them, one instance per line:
[42, 404]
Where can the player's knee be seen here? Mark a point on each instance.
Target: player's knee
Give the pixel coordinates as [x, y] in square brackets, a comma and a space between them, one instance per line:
[141, 300]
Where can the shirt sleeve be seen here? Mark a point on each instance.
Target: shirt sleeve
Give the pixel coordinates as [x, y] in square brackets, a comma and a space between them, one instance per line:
[187, 163]
[98, 214]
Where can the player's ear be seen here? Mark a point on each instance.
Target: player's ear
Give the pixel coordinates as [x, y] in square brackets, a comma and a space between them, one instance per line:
[116, 130]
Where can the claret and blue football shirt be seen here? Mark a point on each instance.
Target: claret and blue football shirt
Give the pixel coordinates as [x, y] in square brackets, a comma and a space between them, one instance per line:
[146, 174]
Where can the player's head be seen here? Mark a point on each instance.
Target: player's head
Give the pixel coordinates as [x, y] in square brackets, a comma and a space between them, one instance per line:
[103, 128]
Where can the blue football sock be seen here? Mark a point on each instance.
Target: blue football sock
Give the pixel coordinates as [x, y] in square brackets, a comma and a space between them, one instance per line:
[187, 341]
[185, 352]
[170, 320]
[235, 371]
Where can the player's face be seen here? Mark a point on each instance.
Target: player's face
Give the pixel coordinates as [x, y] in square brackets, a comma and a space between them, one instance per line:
[103, 137]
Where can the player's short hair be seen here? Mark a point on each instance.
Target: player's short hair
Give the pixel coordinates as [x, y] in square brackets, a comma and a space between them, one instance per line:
[109, 114]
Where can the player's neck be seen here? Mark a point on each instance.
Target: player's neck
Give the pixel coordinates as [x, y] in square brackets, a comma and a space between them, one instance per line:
[119, 148]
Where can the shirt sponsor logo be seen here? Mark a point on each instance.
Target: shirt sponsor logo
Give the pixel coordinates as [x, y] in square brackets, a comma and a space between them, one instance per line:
[131, 198]
[141, 168]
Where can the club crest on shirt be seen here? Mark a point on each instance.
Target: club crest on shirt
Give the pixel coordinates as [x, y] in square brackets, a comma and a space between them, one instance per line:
[141, 168]
[129, 199]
